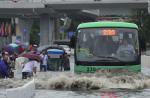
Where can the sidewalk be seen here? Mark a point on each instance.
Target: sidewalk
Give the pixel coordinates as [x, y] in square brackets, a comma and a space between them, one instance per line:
[148, 52]
[145, 58]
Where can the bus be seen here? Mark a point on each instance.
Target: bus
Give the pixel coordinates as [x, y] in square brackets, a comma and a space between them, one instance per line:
[111, 46]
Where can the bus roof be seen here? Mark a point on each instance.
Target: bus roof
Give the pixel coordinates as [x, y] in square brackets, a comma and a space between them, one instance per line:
[107, 24]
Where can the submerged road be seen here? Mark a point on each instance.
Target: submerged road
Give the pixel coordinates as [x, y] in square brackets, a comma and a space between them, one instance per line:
[109, 93]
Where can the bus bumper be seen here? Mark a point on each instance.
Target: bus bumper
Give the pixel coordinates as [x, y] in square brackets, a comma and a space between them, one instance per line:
[114, 69]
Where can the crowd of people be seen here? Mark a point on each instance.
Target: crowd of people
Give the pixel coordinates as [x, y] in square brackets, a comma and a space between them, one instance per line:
[28, 67]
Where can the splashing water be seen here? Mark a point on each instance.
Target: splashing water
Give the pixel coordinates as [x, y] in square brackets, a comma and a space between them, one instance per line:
[95, 81]
[12, 83]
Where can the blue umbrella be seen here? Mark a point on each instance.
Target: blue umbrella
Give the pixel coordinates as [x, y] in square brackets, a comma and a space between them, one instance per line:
[55, 51]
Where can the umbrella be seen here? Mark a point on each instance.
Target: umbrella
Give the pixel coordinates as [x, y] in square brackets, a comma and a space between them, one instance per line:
[11, 48]
[19, 47]
[47, 47]
[13, 45]
[55, 51]
[32, 56]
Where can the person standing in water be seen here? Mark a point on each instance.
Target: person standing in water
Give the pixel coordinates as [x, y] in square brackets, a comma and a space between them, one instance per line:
[44, 61]
[4, 65]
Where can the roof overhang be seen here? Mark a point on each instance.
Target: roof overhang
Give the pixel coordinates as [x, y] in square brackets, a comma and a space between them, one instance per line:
[98, 5]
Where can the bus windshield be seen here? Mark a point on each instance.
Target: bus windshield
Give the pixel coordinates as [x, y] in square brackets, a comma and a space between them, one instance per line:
[107, 44]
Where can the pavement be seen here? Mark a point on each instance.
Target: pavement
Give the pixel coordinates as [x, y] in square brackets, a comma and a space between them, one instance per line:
[147, 53]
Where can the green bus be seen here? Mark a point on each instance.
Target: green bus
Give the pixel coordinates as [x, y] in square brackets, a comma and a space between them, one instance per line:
[111, 46]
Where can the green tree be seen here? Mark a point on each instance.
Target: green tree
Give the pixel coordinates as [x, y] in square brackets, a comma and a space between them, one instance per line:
[142, 19]
[146, 27]
[34, 33]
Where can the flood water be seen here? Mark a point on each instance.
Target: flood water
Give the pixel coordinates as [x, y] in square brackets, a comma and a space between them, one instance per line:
[93, 94]
[69, 85]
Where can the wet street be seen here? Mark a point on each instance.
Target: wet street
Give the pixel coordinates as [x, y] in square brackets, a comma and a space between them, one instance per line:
[93, 94]
[102, 93]
[107, 38]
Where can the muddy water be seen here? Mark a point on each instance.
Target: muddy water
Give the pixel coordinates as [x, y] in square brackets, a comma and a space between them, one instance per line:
[66, 81]
[92, 94]
[70, 85]
[12, 83]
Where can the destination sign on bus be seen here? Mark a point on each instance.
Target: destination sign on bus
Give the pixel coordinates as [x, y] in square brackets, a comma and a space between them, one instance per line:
[108, 32]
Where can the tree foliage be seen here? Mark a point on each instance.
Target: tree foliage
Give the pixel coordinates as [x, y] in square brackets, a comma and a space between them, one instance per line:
[142, 19]
[34, 33]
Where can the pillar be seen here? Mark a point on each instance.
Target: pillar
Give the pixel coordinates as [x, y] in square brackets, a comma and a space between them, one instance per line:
[46, 30]
[57, 29]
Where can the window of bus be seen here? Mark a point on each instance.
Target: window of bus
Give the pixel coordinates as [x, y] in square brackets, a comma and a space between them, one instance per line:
[113, 44]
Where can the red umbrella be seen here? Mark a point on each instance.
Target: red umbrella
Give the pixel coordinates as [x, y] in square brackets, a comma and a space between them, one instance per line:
[32, 56]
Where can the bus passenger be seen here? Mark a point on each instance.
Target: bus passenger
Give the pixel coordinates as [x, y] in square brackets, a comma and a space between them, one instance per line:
[126, 48]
